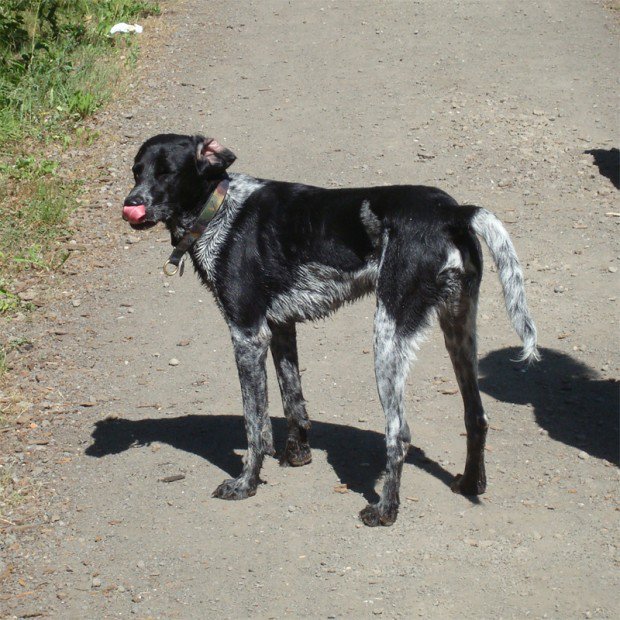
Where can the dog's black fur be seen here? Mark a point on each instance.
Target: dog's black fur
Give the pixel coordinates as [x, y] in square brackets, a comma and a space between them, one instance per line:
[279, 253]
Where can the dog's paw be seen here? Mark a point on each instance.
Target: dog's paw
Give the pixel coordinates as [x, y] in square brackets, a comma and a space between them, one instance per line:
[468, 486]
[374, 515]
[233, 489]
[296, 454]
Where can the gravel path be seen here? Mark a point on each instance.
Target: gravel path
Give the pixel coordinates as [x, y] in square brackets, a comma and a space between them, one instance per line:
[495, 102]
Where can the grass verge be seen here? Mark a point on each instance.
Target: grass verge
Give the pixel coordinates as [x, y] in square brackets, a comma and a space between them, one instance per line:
[58, 65]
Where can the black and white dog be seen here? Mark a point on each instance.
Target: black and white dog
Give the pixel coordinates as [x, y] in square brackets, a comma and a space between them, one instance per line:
[274, 254]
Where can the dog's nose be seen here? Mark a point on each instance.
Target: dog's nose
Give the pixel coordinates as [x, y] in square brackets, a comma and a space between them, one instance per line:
[133, 201]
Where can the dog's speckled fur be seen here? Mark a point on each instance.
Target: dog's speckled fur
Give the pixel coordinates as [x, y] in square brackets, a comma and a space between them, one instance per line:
[279, 253]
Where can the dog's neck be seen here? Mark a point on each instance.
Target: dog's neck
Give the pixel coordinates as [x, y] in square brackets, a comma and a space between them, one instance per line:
[185, 235]
[206, 250]
[180, 226]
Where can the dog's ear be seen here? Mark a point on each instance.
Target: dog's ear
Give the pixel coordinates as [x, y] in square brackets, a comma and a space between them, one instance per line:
[211, 157]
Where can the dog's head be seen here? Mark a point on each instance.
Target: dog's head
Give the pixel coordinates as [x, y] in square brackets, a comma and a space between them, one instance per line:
[172, 175]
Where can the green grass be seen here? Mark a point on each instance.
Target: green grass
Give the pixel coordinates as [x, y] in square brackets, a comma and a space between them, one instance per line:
[33, 219]
[58, 65]
[9, 303]
[55, 60]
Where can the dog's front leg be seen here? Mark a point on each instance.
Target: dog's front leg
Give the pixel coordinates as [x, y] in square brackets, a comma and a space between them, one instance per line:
[250, 346]
[284, 351]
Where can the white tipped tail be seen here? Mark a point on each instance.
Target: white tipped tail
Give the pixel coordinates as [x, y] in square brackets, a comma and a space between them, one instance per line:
[490, 228]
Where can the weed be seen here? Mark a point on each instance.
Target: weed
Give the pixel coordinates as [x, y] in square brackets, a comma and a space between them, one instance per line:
[5, 349]
[13, 491]
[54, 60]
[58, 65]
[28, 167]
[3, 364]
[29, 231]
[9, 302]
[82, 103]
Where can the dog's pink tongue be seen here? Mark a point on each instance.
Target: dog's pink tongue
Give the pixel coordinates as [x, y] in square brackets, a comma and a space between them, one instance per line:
[134, 213]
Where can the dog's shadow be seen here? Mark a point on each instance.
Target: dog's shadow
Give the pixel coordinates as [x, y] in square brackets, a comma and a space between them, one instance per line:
[570, 400]
[357, 455]
[608, 163]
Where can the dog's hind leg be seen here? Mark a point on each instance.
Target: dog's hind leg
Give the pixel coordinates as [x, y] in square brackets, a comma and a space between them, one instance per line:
[284, 351]
[394, 346]
[458, 322]
[250, 347]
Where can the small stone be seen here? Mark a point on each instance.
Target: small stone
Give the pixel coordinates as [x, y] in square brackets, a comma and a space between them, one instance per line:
[584, 456]
[132, 239]
[76, 303]
[28, 295]
[137, 598]
[141, 564]
[558, 289]
[96, 582]
[173, 362]
[174, 478]
[612, 268]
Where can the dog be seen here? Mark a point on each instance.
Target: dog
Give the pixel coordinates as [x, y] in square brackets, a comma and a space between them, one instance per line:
[274, 254]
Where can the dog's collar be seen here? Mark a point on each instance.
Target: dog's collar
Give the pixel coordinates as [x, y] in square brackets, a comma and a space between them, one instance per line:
[171, 266]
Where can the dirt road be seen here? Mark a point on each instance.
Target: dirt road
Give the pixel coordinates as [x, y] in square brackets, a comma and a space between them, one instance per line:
[495, 102]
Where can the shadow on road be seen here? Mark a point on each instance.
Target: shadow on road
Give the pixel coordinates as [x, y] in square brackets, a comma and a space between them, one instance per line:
[571, 401]
[357, 456]
[608, 163]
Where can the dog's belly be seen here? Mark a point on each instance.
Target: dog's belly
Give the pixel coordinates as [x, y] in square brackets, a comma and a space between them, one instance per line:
[319, 290]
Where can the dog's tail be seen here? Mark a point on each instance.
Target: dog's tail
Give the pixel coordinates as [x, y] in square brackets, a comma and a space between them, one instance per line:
[490, 228]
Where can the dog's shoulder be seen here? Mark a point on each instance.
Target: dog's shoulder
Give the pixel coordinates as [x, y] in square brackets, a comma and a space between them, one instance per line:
[242, 186]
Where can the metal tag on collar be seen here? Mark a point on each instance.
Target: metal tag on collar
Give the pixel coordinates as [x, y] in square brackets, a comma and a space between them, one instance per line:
[171, 269]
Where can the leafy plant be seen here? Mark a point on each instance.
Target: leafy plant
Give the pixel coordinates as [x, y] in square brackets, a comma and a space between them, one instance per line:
[9, 302]
[51, 54]
[82, 103]
[58, 65]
